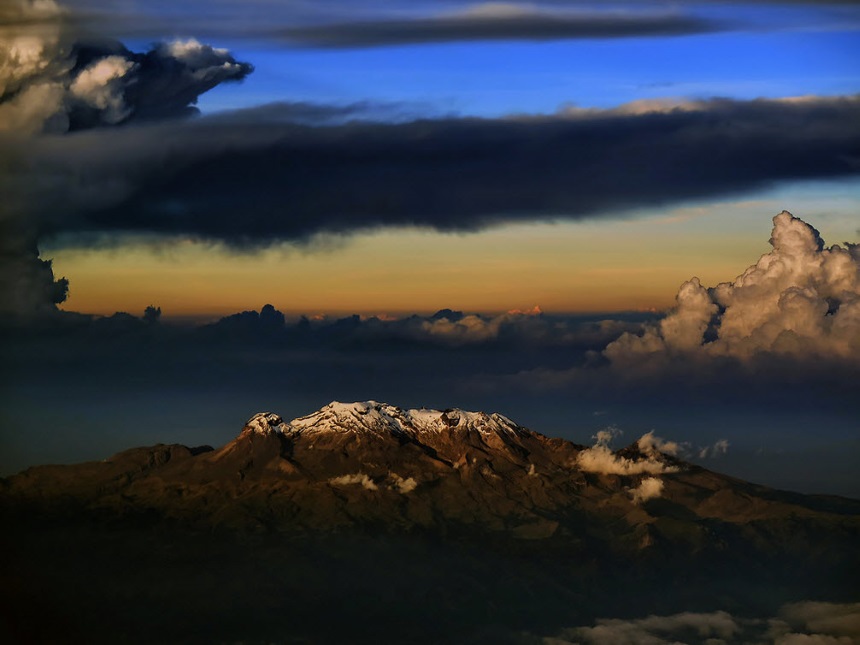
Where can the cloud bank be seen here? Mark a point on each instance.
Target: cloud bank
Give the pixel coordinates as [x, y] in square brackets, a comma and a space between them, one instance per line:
[192, 178]
[292, 181]
[812, 623]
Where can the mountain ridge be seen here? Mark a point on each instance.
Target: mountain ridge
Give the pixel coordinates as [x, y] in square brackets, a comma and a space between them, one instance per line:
[351, 464]
[408, 522]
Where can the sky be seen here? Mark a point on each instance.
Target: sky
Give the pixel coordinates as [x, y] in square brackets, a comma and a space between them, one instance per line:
[549, 177]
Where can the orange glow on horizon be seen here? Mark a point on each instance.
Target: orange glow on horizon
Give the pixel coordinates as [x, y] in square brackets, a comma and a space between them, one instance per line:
[584, 267]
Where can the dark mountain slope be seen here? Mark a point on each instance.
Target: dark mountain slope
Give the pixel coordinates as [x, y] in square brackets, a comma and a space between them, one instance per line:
[367, 523]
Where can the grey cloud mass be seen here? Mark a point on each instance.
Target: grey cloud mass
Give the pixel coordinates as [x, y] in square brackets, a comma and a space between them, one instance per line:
[272, 174]
[495, 21]
[367, 23]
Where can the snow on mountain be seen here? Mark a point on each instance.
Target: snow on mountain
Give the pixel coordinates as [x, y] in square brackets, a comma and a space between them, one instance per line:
[375, 417]
[264, 423]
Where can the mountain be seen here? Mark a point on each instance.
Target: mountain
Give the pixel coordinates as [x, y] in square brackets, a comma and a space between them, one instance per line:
[368, 498]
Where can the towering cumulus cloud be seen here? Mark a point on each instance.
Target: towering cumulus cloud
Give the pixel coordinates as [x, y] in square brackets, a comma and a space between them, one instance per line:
[801, 300]
[53, 81]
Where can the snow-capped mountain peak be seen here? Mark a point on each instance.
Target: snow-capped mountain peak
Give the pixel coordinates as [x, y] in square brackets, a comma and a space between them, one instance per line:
[265, 423]
[376, 417]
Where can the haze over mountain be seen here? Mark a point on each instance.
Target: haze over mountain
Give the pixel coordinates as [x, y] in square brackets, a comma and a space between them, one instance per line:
[435, 493]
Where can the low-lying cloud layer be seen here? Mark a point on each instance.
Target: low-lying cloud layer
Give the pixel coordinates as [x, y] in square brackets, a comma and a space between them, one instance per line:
[359, 479]
[393, 481]
[808, 623]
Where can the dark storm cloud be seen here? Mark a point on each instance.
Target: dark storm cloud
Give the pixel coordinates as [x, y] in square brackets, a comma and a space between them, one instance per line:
[494, 24]
[244, 181]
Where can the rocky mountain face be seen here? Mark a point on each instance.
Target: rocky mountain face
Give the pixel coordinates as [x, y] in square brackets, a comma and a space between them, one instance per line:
[432, 497]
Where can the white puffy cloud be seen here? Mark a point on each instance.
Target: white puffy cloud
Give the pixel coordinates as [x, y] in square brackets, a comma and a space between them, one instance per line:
[355, 479]
[601, 459]
[652, 445]
[402, 485]
[801, 300]
[467, 329]
[100, 87]
[648, 488]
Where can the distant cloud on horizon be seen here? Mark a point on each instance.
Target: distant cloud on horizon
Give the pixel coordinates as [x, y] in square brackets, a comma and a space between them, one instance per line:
[808, 622]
